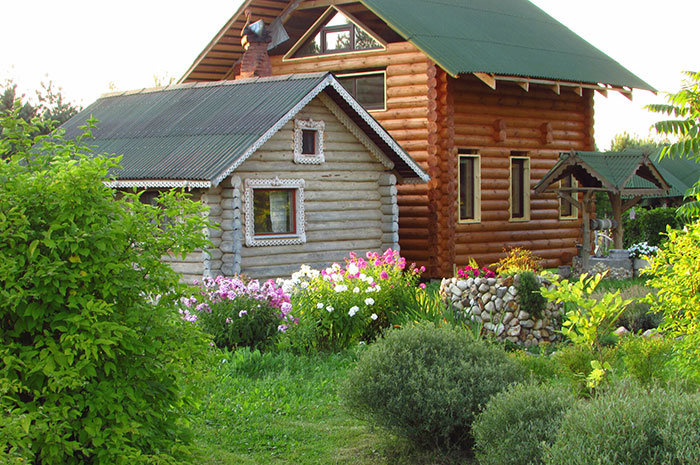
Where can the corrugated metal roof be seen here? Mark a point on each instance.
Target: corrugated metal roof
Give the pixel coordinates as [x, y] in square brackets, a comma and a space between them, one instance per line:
[616, 167]
[511, 37]
[680, 173]
[199, 132]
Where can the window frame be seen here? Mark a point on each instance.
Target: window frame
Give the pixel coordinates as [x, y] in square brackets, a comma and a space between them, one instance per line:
[273, 239]
[525, 187]
[574, 209]
[309, 125]
[361, 74]
[476, 185]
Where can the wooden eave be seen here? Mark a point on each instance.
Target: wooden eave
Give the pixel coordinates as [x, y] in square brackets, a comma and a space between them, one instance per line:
[524, 82]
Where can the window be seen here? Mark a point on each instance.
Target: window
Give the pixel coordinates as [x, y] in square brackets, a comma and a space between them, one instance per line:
[567, 211]
[274, 212]
[308, 142]
[337, 34]
[367, 88]
[469, 186]
[519, 187]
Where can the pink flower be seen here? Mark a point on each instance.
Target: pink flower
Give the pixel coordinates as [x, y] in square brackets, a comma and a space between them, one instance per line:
[384, 275]
[422, 285]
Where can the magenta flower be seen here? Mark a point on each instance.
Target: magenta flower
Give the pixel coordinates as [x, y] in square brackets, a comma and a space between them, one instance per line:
[384, 275]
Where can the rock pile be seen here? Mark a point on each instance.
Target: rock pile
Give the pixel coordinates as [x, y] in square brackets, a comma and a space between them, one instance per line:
[494, 303]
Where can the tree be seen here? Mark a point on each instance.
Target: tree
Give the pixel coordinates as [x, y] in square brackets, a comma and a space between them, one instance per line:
[684, 109]
[94, 354]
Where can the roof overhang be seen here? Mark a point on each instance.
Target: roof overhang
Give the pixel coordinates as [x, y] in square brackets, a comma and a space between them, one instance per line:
[159, 183]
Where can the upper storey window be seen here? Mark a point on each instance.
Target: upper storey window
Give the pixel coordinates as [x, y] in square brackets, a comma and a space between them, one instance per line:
[335, 32]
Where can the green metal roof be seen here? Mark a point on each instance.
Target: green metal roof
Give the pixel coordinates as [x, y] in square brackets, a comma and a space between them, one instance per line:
[201, 132]
[680, 173]
[510, 37]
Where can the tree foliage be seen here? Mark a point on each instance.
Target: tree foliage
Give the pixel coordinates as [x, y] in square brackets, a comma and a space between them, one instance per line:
[683, 110]
[93, 351]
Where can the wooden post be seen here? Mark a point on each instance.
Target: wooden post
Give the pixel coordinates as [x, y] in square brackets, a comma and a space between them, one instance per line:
[616, 202]
[586, 214]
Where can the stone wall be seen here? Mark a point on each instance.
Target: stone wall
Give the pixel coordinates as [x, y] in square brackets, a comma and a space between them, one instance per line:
[495, 303]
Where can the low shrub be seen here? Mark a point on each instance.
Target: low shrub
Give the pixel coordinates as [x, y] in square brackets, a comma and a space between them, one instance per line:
[540, 367]
[516, 261]
[342, 305]
[529, 295]
[648, 225]
[646, 359]
[630, 425]
[573, 365]
[239, 313]
[518, 422]
[428, 383]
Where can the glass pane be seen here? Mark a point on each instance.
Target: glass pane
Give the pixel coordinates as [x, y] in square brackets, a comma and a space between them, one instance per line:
[339, 19]
[466, 188]
[337, 40]
[273, 211]
[517, 194]
[370, 91]
[312, 47]
[308, 142]
[364, 41]
[566, 207]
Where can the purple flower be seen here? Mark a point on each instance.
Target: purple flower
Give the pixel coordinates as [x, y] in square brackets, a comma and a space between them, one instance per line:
[282, 328]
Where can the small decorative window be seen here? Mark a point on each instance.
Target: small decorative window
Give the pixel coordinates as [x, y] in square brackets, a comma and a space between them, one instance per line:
[567, 211]
[519, 187]
[469, 186]
[308, 142]
[274, 212]
[367, 88]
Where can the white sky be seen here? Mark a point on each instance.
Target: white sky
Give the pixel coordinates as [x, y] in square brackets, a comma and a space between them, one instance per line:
[83, 46]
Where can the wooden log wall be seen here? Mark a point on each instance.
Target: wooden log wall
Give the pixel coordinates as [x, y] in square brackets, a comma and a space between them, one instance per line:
[406, 119]
[347, 199]
[538, 123]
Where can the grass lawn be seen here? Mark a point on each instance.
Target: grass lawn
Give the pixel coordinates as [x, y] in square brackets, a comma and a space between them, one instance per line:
[278, 408]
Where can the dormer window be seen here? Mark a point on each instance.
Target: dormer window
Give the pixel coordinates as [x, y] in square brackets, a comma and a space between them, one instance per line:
[334, 32]
[308, 142]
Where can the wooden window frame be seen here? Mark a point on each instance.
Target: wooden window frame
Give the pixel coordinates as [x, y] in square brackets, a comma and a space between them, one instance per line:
[298, 236]
[316, 28]
[367, 73]
[319, 128]
[525, 187]
[574, 209]
[473, 154]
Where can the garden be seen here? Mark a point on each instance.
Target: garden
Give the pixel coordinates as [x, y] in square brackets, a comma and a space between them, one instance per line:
[108, 358]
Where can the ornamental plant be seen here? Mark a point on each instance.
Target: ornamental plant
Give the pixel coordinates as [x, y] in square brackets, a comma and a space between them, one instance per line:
[473, 271]
[642, 250]
[94, 355]
[341, 305]
[239, 313]
[516, 261]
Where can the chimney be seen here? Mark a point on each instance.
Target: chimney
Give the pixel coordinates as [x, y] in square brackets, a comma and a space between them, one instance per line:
[255, 40]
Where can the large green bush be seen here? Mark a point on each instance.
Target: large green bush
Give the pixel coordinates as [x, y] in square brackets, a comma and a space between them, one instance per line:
[648, 225]
[93, 351]
[516, 423]
[630, 426]
[428, 383]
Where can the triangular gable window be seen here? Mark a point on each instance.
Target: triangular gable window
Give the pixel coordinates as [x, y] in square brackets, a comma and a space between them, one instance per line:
[334, 32]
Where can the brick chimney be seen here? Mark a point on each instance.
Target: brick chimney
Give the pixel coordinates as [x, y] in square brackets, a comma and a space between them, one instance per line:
[255, 40]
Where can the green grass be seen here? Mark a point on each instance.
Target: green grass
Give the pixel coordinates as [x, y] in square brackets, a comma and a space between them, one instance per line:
[280, 408]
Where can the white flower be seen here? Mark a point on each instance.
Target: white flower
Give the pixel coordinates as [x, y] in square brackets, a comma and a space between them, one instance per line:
[352, 269]
[363, 276]
[340, 288]
[353, 310]
[319, 305]
[329, 309]
[304, 284]
[377, 288]
[356, 290]
[369, 301]
[374, 316]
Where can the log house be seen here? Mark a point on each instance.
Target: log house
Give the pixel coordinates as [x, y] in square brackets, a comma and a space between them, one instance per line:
[483, 95]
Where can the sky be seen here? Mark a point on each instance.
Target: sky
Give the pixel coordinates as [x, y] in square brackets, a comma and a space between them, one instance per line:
[90, 47]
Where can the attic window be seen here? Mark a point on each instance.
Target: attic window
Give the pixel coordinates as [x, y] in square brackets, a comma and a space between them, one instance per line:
[308, 142]
[336, 34]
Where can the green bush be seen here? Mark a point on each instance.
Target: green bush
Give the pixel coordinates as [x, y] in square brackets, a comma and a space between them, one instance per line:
[648, 225]
[646, 359]
[573, 365]
[94, 353]
[529, 295]
[428, 383]
[630, 426]
[516, 423]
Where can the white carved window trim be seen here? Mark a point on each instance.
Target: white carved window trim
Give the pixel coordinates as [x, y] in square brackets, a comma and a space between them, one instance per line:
[306, 159]
[299, 237]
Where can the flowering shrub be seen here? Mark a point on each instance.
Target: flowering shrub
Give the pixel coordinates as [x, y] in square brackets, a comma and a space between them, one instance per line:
[473, 271]
[238, 313]
[642, 249]
[343, 304]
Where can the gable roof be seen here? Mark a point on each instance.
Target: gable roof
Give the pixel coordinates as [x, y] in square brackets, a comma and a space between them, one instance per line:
[197, 134]
[508, 37]
[681, 173]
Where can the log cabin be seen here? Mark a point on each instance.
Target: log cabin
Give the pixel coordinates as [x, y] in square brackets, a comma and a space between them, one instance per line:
[292, 168]
[484, 94]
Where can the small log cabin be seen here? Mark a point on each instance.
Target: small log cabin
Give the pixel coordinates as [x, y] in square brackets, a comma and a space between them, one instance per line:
[292, 168]
[484, 94]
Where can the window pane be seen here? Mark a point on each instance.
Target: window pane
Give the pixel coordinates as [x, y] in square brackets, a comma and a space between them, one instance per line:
[517, 192]
[367, 89]
[339, 34]
[567, 209]
[466, 188]
[337, 40]
[364, 41]
[273, 211]
[308, 142]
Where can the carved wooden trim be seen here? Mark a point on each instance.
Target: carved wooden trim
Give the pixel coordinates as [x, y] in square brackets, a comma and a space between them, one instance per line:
[307, 159]
[282, 239]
